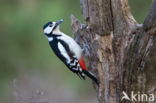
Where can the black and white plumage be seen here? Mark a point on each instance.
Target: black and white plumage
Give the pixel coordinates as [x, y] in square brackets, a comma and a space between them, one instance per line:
[66, 49]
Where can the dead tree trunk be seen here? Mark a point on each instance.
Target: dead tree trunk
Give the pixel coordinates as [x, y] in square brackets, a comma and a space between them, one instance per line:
[115, 46]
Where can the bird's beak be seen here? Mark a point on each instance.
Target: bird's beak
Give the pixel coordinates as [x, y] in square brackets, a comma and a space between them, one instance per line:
[59, 22]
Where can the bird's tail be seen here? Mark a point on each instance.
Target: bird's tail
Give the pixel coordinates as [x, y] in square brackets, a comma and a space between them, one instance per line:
[91, 76]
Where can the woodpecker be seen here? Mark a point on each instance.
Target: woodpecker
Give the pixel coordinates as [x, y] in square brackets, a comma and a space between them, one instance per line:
[67, 49]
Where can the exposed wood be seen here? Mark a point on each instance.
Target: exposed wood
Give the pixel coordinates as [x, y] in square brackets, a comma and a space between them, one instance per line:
[98, 15]
[115, 46]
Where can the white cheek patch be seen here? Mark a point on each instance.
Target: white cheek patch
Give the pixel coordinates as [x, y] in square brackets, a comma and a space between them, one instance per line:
[48, 30]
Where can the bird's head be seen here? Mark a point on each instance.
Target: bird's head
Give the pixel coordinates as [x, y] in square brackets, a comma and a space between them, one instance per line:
[51, 27]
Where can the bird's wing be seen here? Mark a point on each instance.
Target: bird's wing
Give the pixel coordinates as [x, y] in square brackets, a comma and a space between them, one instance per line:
[63, 51]
[66, 50]
[72, 61]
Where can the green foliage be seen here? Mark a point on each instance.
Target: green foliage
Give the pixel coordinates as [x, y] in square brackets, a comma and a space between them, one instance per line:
[140, 9]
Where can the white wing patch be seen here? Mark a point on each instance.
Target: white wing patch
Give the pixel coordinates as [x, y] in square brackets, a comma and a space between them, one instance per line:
[74, 47]
[63, 52]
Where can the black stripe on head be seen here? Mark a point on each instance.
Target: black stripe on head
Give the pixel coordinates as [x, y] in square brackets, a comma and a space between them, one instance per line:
[47, 24]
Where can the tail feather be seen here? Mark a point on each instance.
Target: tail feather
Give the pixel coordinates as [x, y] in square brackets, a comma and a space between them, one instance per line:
[81, 76]
[91, 76]
[79, 67]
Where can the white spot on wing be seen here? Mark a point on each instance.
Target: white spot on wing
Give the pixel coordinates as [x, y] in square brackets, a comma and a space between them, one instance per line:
[75, 69]
[63, 52]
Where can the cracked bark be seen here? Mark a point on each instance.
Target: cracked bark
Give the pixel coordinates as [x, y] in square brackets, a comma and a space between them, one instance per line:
[115, 46]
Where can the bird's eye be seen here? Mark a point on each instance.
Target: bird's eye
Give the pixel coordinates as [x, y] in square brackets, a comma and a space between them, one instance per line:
[50, 25]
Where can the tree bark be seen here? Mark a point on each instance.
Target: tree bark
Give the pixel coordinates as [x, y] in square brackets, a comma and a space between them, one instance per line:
[115, 46]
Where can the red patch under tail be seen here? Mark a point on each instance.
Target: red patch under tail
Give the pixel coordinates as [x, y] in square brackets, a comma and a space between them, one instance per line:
[82, 63]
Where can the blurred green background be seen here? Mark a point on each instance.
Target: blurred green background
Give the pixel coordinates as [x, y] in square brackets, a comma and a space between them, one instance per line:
[27, 63]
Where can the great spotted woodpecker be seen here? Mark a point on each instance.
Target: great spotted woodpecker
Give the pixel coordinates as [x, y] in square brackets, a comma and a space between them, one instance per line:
[67, 49]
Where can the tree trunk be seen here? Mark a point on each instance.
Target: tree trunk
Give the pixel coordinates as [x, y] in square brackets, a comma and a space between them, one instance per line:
[115, 46]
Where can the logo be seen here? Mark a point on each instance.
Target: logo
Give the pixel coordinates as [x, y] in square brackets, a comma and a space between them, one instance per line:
[137, 97]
